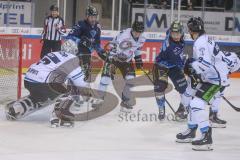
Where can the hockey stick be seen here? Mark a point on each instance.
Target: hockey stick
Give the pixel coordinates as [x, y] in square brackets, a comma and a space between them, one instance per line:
[231, 105]
[170, 106]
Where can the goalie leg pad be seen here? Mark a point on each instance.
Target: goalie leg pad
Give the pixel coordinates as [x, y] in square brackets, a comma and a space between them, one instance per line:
[62, 108]
[20, 108]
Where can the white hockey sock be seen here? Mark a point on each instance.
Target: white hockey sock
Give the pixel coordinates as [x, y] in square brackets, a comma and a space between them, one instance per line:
[215, 104]
[198, 113]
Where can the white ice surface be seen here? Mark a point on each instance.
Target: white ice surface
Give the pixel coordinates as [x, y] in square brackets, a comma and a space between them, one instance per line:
[106, 138]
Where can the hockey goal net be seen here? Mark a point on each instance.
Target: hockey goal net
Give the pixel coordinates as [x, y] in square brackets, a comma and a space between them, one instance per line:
[10, 67]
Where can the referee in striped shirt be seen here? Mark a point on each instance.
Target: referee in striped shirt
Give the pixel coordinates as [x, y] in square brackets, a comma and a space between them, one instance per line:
[54, 28]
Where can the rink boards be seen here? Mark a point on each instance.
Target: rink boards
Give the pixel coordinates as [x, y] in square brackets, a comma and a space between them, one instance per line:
[32, 45]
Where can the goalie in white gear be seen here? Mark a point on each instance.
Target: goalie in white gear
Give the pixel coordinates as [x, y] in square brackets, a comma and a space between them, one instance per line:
[55, 74]
[209, 77]
[124, 47]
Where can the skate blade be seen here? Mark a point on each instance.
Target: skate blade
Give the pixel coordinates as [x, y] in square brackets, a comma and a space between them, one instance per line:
[54, 125]
[161, 118]
[178, 119]
[10, 117]
[62, 126]
[125, 110]
[207, 147]
[67, 126]
[188, 140]
[215, 125]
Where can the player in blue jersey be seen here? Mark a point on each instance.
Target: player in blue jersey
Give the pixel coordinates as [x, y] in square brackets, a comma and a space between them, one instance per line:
[86, 33]
[170, 63]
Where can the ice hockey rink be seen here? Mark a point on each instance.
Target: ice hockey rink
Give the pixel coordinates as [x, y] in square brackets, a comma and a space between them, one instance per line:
[111, 138]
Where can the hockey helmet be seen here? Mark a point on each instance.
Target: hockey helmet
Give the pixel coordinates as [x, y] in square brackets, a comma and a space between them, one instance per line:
[91, 11]
[53, 8]
[138, 26]
[176, 30]
[70, 46]
[195, 24]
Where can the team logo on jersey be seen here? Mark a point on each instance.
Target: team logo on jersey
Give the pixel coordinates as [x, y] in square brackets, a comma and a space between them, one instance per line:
[177, 51]
[93, 33]
[125, 45]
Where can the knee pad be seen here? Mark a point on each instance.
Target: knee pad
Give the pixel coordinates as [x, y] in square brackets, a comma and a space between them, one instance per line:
[62, 108]
[105, 80]
[20, 108]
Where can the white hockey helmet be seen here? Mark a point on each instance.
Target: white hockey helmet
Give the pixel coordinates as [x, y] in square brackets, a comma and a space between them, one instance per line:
[70, 46]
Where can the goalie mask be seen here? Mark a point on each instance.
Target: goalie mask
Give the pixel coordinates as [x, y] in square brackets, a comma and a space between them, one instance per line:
[70, 46]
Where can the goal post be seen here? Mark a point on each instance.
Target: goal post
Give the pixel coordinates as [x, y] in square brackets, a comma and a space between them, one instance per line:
[11, 48]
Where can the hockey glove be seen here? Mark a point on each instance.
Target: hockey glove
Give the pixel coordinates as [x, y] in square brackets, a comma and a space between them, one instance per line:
[187, 67]
[139, 62]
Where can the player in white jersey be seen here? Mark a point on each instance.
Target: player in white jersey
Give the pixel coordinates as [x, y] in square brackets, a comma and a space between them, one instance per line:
[55, 74]
[124, 47]
[209, 77]
[233, 64]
